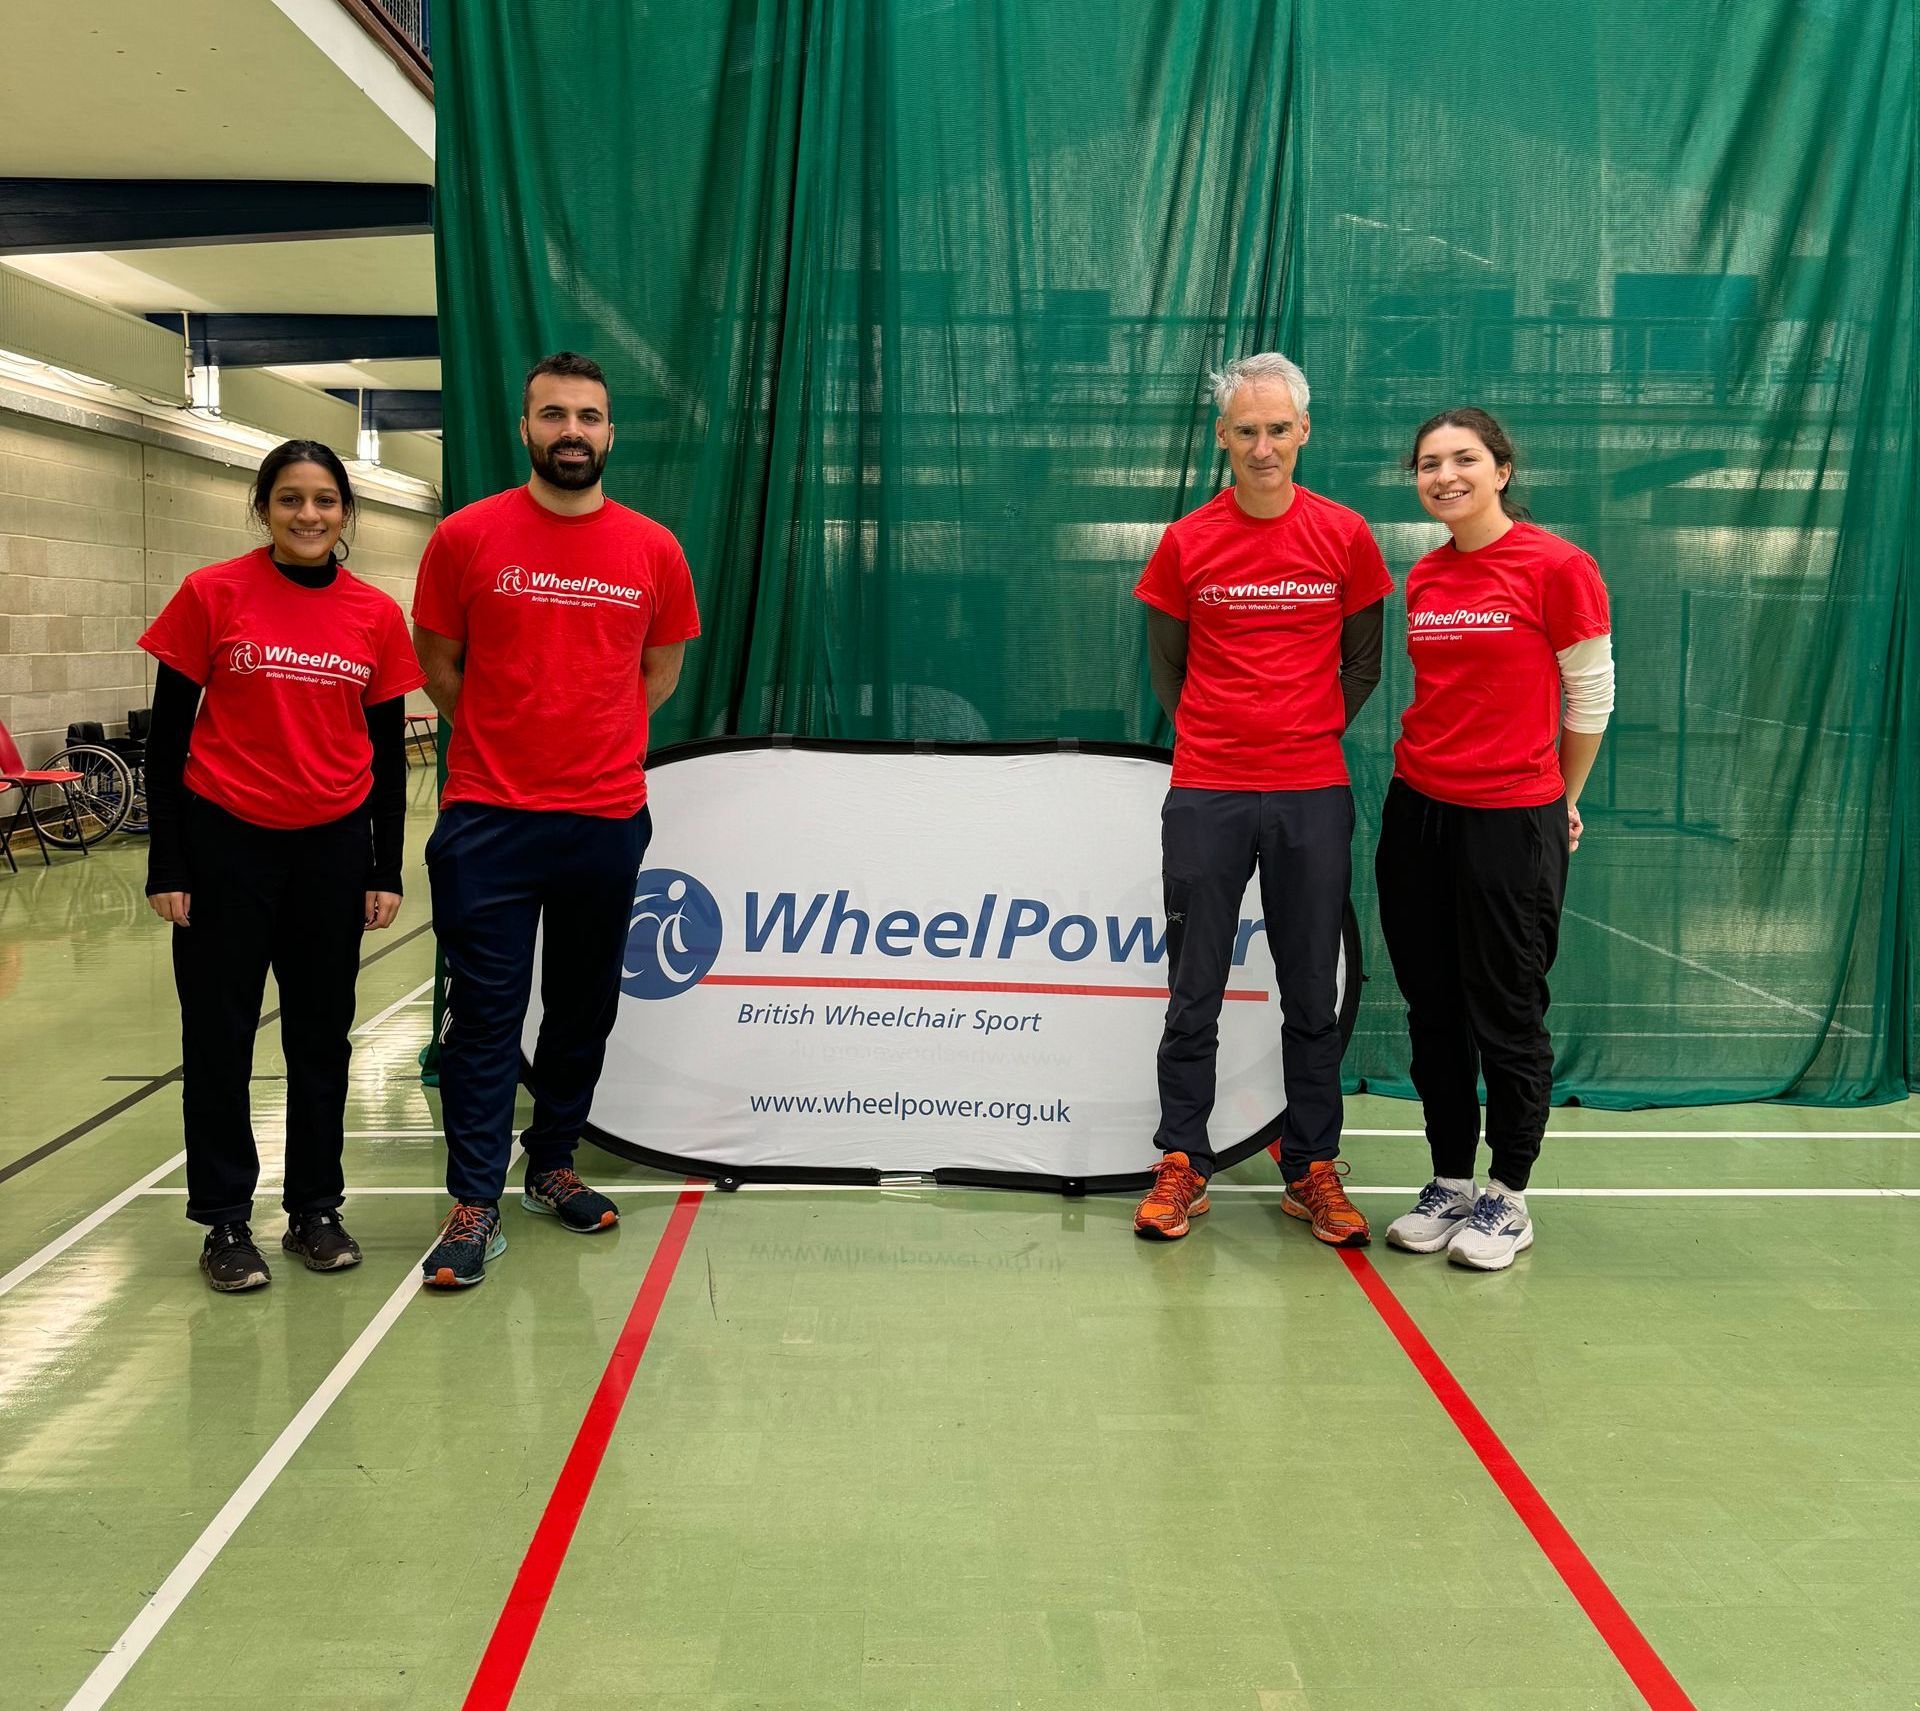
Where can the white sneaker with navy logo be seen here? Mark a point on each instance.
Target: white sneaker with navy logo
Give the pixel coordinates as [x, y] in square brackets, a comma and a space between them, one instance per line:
[1438, 1216]
[1498, 1229]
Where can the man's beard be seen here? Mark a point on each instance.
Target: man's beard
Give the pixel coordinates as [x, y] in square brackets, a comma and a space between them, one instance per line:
[570, 478]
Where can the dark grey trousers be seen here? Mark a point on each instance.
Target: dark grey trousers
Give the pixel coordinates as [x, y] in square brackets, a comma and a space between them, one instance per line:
[1301, 843]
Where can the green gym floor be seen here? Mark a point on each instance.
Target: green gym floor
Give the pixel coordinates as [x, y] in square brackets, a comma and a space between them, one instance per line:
[933, 1449]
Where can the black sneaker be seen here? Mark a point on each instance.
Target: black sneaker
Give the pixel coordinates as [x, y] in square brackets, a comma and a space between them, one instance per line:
[231, 1261]
[468, 1239]
[321, 1240]
[560, 1194]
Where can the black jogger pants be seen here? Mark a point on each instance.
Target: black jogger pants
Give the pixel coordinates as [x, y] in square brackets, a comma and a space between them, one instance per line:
[1470, 902]
[295, 902]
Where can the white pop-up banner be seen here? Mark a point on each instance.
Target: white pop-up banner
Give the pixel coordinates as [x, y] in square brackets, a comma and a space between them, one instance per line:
[849, 961]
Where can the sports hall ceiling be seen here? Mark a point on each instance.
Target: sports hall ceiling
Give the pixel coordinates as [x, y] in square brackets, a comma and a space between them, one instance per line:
[290, 90]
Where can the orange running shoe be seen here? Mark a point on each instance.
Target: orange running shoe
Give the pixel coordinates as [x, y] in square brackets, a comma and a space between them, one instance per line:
[1179, 1192]
[1319, 1198]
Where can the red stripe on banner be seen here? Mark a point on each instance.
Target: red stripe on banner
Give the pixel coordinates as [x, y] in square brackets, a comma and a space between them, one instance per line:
[1607, 1614]
[1244, 995]
[506, 1653]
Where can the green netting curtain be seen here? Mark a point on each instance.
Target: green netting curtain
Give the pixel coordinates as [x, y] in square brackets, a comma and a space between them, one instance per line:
[908, 305]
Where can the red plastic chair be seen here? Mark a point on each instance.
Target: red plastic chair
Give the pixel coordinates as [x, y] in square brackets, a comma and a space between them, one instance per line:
[423, 731]
[15, 775]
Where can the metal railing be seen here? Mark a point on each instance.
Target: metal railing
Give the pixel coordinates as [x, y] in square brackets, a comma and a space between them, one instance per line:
[410, 18]
[404, 28]
[1067, 362]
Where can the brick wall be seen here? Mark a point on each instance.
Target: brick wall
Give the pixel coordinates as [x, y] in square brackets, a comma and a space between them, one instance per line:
[95, 534]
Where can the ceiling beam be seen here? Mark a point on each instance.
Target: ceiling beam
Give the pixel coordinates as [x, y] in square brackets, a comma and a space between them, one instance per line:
[57, 216]
[256, 341]
[394, 409]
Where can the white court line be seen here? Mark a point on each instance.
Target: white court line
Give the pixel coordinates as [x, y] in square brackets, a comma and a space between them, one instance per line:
[1636, 1034]
[1573, 1133]
[145, 1628]
[357, 1193]
[1678, 1004]
[395, 1008]
[146, 1187]
[1702, 968]
[1556, 1132]
[625, 1188]
[87, 1225]
[1620, 1193]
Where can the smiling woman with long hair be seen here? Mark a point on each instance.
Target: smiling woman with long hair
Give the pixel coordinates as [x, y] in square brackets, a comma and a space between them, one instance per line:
[276, 790]
[1509, 633]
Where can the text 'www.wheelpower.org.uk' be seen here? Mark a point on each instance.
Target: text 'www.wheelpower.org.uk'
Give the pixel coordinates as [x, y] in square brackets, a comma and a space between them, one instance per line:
[909, 1107]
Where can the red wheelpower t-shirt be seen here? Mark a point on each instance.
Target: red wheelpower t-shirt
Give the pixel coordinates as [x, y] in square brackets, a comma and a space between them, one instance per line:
[554, 612]
[287, 674]
[1263, 599]
[1483, 629]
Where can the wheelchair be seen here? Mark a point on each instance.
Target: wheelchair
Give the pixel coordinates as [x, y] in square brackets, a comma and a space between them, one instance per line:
[112, 789]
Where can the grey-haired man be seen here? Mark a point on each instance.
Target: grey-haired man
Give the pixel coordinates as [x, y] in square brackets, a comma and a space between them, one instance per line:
[1264, 628]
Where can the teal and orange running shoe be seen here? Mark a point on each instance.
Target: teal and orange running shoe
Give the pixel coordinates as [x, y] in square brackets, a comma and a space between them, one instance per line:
[468, 1239]
[560, 1194]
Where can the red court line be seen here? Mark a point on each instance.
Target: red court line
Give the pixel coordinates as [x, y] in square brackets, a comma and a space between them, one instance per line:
[506, 1653]
[1607, 1614]
[1243, 995]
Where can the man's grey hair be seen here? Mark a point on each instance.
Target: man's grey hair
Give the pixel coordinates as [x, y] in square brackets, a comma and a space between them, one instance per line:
[1263, 365]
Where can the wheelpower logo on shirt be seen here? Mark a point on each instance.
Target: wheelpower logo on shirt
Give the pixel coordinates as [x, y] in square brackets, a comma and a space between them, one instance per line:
[248, 657]
[677, 928]
[546, 586]
[1291, 590]
[1443, 626]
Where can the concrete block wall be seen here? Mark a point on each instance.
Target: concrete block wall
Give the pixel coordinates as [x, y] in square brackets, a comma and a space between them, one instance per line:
[95, 534]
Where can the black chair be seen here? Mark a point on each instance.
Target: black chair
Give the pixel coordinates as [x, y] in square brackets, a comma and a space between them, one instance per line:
[132, 748]
[106, 788]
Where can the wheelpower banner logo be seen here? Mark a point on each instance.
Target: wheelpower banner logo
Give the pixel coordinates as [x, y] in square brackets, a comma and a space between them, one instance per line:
[677, 929]
[673, 936]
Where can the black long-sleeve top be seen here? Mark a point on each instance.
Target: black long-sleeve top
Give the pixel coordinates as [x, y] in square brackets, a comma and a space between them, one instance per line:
[1360, 650]
[176, 703]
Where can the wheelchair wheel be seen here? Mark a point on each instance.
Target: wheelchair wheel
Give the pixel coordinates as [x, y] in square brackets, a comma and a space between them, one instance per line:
[136, 820]
[93, 807]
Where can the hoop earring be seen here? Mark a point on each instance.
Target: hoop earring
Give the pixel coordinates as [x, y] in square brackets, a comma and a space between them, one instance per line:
[341, 549]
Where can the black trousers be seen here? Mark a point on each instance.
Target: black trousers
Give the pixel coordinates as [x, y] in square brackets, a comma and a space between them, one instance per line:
[295, 902]
[1470, 902]
[499, 876]
[1211, 842]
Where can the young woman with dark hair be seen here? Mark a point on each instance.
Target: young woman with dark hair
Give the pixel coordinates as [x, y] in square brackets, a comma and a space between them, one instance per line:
[1510, 637]
[276, 791]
